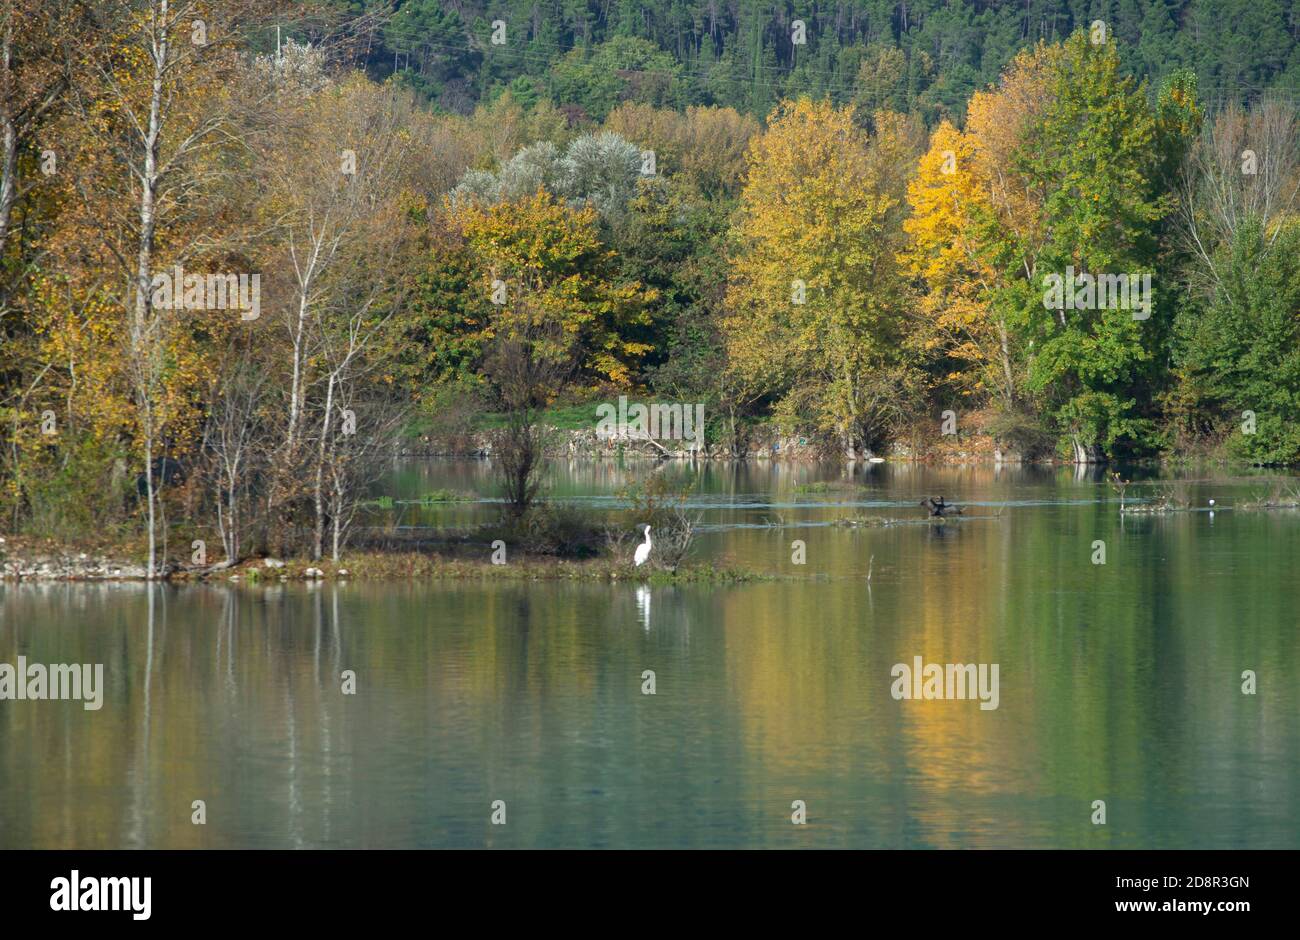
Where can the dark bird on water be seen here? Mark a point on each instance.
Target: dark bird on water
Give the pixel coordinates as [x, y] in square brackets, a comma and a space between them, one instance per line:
[938, 508]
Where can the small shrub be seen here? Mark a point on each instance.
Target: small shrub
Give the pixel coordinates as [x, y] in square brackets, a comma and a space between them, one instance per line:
[661, 505]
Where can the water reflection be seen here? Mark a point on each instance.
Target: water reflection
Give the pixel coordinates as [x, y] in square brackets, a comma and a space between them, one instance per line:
[1119, 682]
[643, 604]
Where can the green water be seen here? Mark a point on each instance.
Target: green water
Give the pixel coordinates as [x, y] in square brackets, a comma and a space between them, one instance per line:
[1118, 682]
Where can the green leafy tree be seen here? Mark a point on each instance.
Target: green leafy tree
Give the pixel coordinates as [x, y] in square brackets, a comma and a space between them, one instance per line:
[1239, 356]
[622, 69]
[1093, 155]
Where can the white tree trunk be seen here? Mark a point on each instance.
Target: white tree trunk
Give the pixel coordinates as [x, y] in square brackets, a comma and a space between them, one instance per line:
[142, 352]
[9, 132]
[318, 542]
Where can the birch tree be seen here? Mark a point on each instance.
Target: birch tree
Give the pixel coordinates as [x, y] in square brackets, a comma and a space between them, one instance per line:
[158, 110]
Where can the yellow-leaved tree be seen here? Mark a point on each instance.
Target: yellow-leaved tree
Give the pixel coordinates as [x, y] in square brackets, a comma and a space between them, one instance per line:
[947, 257]
[974, 235]
[552, 283]
[813, 299]
[559, 315]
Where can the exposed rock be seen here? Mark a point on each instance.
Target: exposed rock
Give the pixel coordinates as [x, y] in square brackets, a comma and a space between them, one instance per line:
[68, 567]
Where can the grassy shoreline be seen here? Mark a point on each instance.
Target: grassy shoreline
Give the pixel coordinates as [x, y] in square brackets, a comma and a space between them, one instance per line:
[389, 566]
[30, 560]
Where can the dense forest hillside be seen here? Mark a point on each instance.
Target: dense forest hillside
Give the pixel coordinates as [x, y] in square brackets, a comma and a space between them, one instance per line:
[926, 56]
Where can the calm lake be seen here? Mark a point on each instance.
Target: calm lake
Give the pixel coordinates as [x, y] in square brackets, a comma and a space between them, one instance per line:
[1119, 682]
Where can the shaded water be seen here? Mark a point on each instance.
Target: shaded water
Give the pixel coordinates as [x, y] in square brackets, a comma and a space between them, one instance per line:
[1118, 682]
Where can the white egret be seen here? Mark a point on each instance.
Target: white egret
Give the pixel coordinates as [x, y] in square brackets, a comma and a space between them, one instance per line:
[642, 550]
